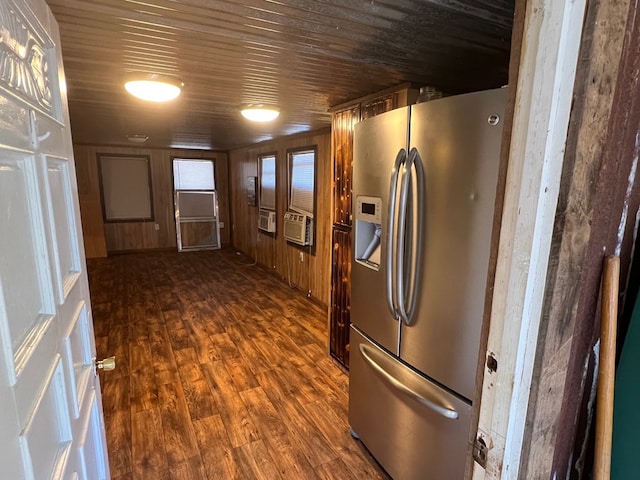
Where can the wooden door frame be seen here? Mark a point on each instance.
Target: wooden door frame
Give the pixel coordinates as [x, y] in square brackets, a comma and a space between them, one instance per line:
[547, 53]
[597, 216]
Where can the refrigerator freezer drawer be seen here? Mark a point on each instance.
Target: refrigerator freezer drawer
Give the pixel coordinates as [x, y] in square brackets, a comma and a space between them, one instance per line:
[414, 428]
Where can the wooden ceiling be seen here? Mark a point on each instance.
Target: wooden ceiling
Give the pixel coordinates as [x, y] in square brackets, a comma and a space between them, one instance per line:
[303, 55]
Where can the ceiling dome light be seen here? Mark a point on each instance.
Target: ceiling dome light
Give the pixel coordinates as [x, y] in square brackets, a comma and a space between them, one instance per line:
[154, 88]
[137, 138]
[259, 112]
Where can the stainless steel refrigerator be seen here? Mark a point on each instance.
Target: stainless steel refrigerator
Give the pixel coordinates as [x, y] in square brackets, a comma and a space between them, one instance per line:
[424, 183]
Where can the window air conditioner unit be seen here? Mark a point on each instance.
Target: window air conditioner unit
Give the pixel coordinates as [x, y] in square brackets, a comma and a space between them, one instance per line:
[298, 228]
[267, 220]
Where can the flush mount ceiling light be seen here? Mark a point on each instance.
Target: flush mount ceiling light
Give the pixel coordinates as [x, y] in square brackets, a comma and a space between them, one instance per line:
[137, 138]
[153, 88]
[260, 113]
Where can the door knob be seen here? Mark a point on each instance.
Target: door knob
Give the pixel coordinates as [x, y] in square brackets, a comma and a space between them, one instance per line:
[106, 364]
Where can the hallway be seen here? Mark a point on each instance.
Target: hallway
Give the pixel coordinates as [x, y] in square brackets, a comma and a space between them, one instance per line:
[222, 372]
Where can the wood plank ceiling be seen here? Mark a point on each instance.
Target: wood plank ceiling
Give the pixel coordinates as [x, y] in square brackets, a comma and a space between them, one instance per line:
[303, 55]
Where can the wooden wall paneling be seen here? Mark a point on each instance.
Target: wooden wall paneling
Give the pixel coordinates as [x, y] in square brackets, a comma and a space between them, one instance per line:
[162, 181]
[403, 94]
[287, 264]
[342, 125]
[141, 235]
[377, 106]
[243, 163]
[321, 280]
[222, 187]
[95, 245]
[312, 274]
[340, 313]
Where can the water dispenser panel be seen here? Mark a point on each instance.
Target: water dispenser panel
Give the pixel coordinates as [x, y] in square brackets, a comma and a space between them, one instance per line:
[369, 209]
[368, 231]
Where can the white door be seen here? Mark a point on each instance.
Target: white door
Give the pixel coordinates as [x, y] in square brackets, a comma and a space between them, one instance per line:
[196, 204]
[51, 423]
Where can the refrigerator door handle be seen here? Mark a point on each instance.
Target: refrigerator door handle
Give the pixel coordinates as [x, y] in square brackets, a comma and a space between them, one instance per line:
[415, 206]
[401, 259]
[427, 396]
[392, 287]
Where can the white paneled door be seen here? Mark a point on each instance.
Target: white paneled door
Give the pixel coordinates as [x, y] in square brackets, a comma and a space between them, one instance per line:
[51, 423]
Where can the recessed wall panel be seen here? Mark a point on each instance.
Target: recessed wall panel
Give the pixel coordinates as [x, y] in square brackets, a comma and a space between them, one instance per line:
[78, 358]
[46, 437]
[14, 125]
[62, 225]
[26, 279]
[91, 447]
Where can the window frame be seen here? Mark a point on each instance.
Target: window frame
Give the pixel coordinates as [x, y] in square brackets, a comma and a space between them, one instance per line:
[290, 153]
[311, 249]
[175, 194]
[261, 158]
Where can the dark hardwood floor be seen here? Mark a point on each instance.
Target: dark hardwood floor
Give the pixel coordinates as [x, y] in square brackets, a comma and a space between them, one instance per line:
[222, 373]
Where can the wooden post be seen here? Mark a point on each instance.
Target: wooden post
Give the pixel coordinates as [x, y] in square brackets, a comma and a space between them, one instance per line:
[544, 92]
[606, 370]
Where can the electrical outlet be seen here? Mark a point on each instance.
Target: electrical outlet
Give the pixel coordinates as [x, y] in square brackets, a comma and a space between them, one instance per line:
[301, 256]
[157, 226]
[221, 224]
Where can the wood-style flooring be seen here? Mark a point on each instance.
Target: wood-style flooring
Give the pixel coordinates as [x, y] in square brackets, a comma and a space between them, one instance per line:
[222, 373]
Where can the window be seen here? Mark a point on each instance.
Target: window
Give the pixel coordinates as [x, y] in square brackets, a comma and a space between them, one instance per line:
[302, 181]
[125, 184]
[196, 204]
[299, 223]
[267, 181]
[191, 174]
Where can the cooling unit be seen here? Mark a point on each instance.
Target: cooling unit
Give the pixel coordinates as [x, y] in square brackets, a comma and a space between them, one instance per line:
[298, 228]
[267, 220]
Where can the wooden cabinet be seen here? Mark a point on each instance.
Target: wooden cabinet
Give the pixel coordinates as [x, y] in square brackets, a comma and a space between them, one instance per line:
[345, 117]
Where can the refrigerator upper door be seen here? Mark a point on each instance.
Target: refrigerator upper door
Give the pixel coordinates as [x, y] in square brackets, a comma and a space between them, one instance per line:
[379, 151]
[458, 140]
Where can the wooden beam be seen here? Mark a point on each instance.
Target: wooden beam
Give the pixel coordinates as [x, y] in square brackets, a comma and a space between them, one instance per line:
[543, 100]
[549, 434]
[615, 201]
[517, 36]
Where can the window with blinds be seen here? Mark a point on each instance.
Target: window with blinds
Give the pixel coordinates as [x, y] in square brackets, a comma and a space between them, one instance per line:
[193, 174]
[268, 182]
[302, 181]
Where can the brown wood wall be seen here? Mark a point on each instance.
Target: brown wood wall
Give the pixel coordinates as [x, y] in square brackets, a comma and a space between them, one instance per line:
[100, 238]
[314, 272]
